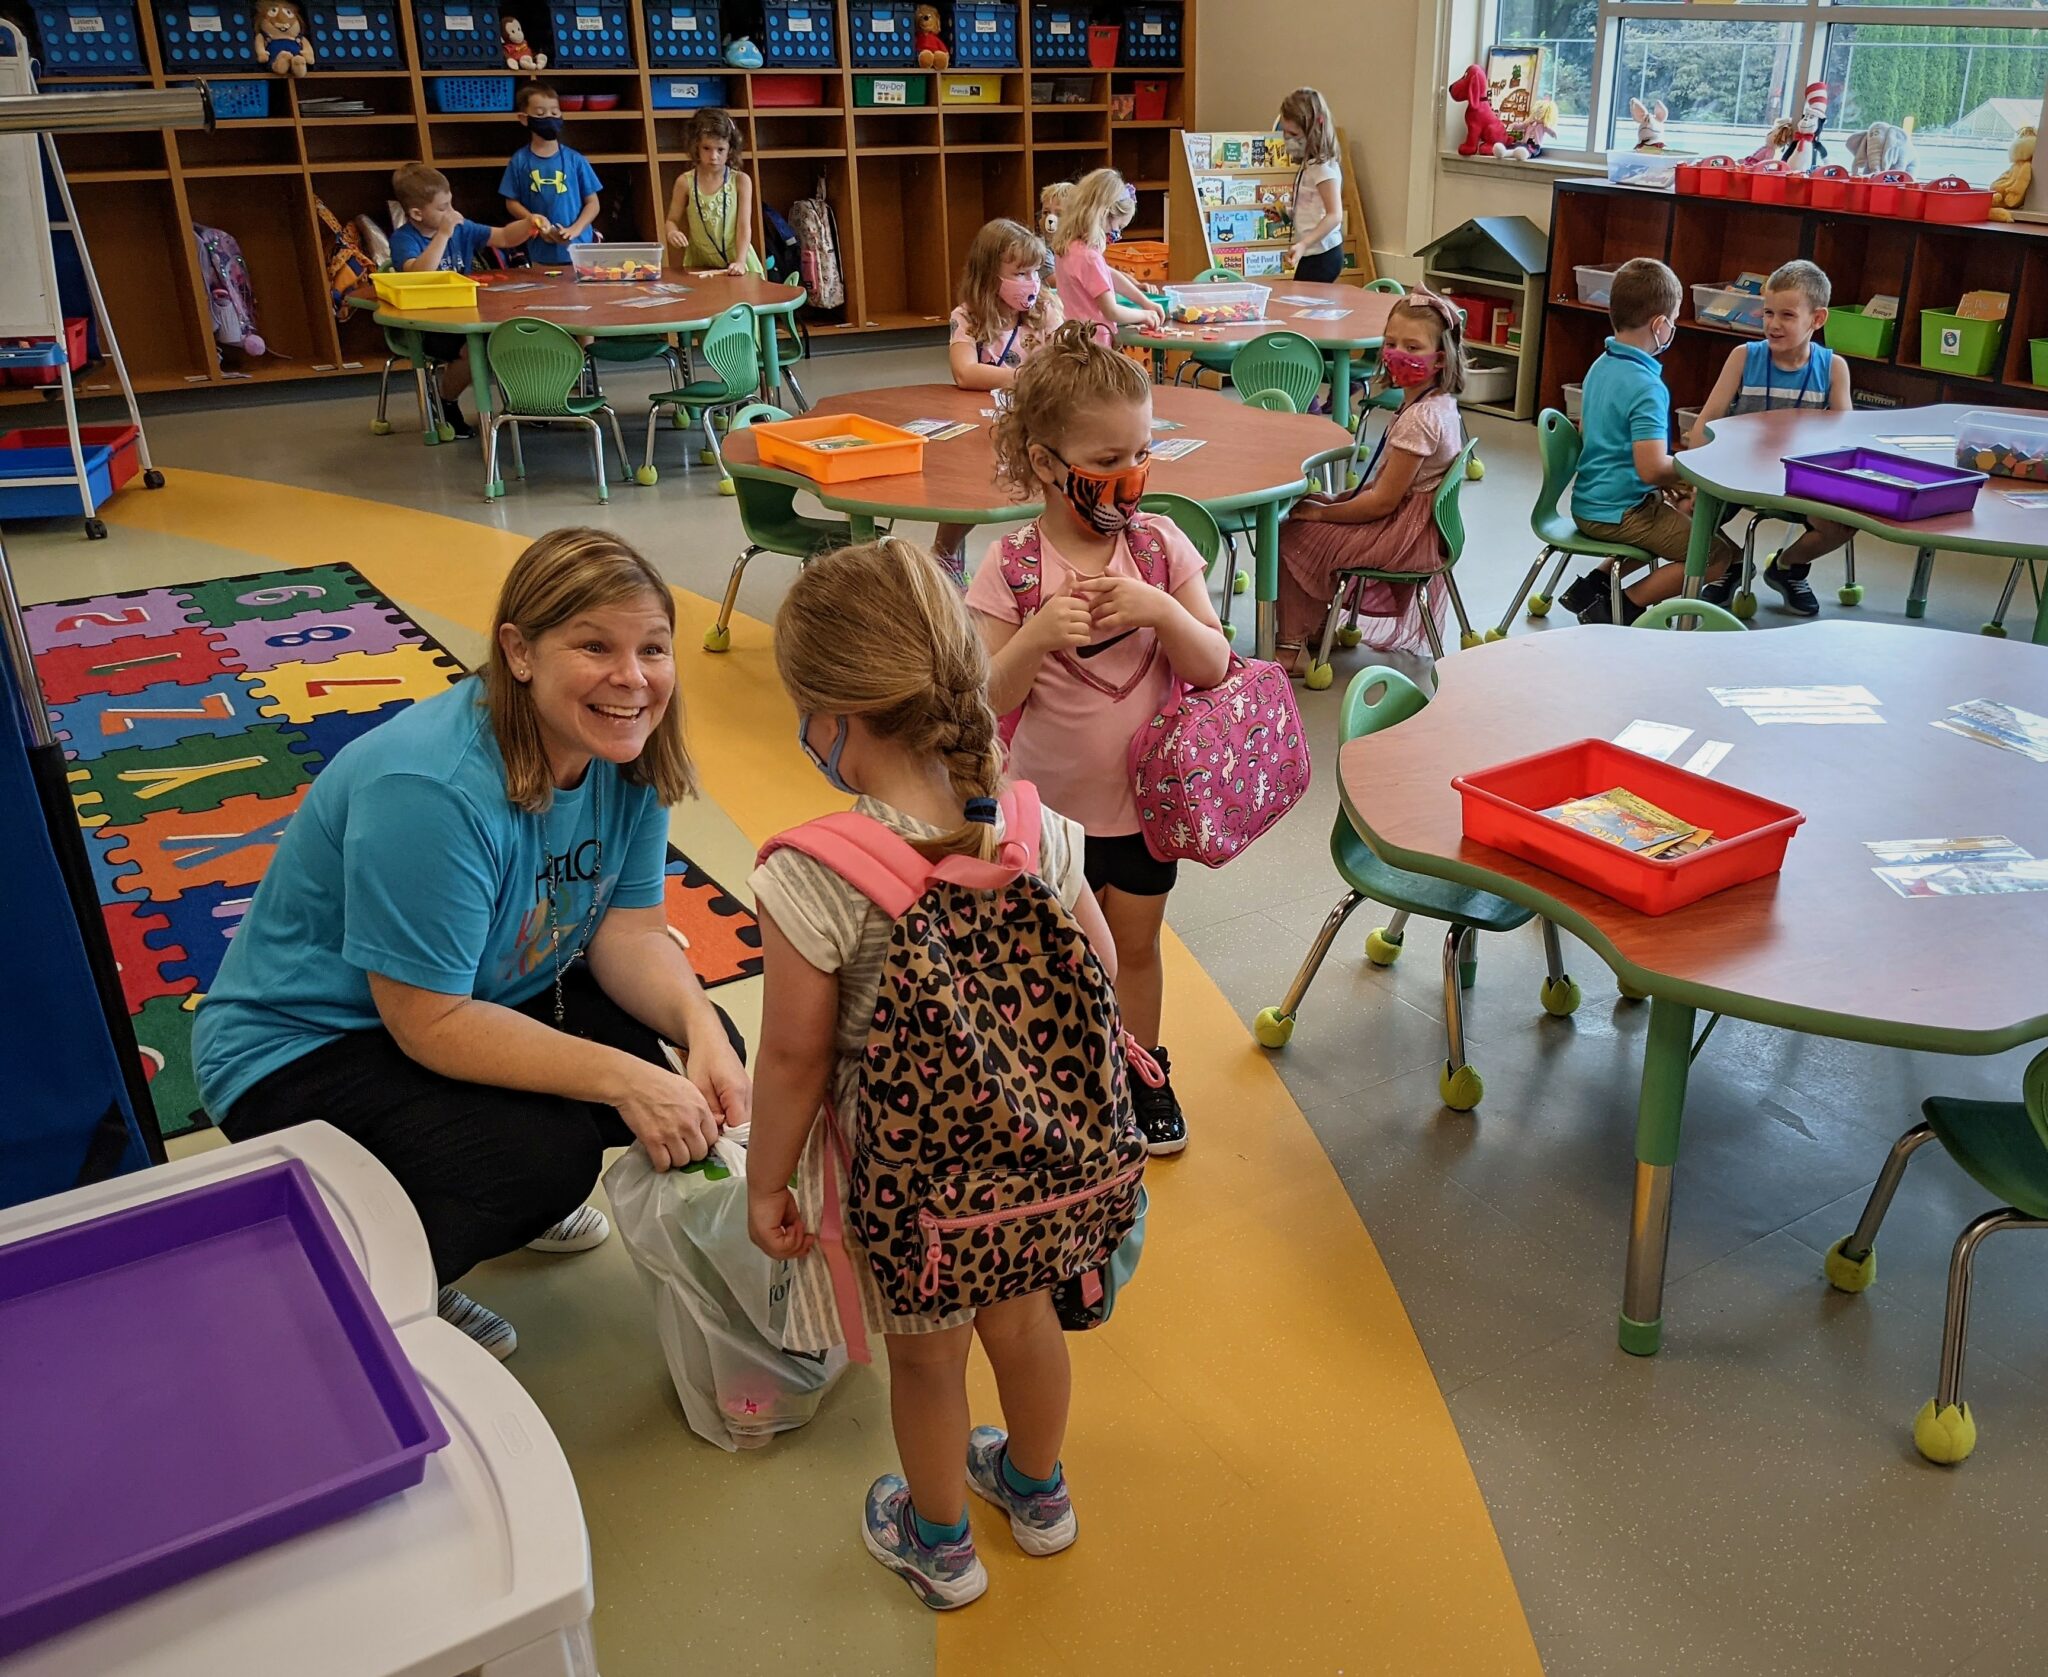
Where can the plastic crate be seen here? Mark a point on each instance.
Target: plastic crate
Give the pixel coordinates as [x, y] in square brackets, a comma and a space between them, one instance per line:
[207, 37]
[1059, 34]
[789, 92]
[1143, 260]
[123, 443]
[891, 92]
[1216, 304]
[1896, 487]
[1723, 305]
[985, 35]
[470, 95]
[456, 35]
[1151, 36]
[680, 35]
[688, 93]
[46, 373]
[355, 35]
[795, 446]
[970, 90]
[1955, 345]
[2037, 355]
[880, 34]
[597, 37]
[799, 34]
[1849, 331]
[239, 101]
[90, 38]
[2004, 444]
[1595, 283]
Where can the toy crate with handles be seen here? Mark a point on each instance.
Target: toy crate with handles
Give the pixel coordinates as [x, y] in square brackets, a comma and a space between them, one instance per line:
[1503, 808]
[239, 101]
[985, 35]
[871, 93]
[880, 34]
[90, 38]
[209, 37]
[1151, 37]
[1950, 343]
[839, 448]
[591, 37]
[688, 93]
[355, 35]
[1059, 34]
[457, 35]
[1849, 331]
[680, 35]
[470, 95]
[74, 354]
[799, 35]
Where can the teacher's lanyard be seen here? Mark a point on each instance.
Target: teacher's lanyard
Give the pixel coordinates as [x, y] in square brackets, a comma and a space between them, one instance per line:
[704, 221]
[1002, 360]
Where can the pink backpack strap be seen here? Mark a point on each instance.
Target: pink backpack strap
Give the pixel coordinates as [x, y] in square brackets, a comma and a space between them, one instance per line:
[1148, 550]
[832, 1234]
[1018, 557]
[892, 874]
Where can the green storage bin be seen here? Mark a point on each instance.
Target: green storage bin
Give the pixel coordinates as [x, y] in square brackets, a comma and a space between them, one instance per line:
[1955, 345]
[2039, 349]
[1849, 331]
[890, 92]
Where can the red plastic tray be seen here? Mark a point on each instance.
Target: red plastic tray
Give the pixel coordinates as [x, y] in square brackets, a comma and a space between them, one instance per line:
[1952, 200]
[1832, 187]
[1713, 177]
[1503, 808]
[1893, 194]
[124, 459]
[1764, 183]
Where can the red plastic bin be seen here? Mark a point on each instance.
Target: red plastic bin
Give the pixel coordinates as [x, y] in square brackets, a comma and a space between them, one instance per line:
[1764, 183]
[1832, 187]
[1714, 177]
[1503, 808]
[789, 92]
[1893, 194]
[124, 459]
[1952, 200]
[74, 352]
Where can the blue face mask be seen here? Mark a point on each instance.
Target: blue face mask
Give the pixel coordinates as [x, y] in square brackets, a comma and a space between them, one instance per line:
[544, 127]
[828, 765]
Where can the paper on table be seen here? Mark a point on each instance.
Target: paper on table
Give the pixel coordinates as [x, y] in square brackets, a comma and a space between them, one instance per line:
[1989, 848]
[1966, 879]
[1300, 300]
[515, 285]
[2005, 726]
[1920, 440]
[1791, 698]
[1324, 314]
[1708, 758]
[1815, 714]
[939, 430]
[2028, 500]
[1653, 739]
[561, 308]
[1176, 447]
[1167, 425]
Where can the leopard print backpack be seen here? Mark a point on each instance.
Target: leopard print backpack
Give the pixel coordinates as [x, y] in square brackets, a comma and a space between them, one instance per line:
[994, 1149]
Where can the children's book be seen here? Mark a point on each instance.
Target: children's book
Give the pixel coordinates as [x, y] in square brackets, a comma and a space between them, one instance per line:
[1635, 824]
[835, 445]
[939, 430]
[1175, 448]
[1994, 847]
[2005, 726]
[1965, 879]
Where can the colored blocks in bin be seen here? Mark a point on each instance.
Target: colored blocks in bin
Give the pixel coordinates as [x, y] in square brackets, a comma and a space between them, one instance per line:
[1059, 34]
[680, 35]
[355, 35]
[130, 925]
[1151, 36]
[124, 787]
[187, 655]
[172, 851]
[880, 34]
[598, 37]
[985, 35]
[471, 95]
[356, 681]
[456, 36]
[98, 723]
[687, 93]
[163, 1031]
[799, 34]
[90, 38]
[206, 36]
[314, 637]
[270, 595]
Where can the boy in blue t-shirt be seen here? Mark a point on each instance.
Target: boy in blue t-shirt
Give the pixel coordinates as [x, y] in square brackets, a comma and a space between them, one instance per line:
[1628, 488]
[436, 236]
[550, 181]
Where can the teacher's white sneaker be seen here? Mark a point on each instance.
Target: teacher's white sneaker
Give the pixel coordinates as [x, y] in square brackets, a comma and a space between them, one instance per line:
[582, 1229]
[486, 1327]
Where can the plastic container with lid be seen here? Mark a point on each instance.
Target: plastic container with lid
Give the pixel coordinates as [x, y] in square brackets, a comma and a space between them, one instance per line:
[617, 262]
[1725, 306]
[1216, 304]
[1596, 283]
[2007, 444]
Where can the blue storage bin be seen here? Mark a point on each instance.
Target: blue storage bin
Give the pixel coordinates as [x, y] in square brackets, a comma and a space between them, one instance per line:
[799, 34]
[985, 35]
[881, 34]
[456, 34]
[242, 101]
[688, 93]
[680, 34]
[594, 37]
[1151, 36]
[355, 35]
[90, 38]
[471, 95]
[207, 36]
[1059, 34]
[56, 500]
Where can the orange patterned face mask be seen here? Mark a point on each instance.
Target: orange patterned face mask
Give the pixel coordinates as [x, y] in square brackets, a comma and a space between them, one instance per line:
[1104, 501]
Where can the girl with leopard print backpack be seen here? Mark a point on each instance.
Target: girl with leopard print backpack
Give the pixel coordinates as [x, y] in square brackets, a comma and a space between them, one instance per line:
[943, 1137]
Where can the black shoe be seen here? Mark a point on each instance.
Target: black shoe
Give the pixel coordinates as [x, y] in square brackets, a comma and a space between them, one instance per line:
[1599, 609]
[1582, 593]
[464, 431]
[1158, 1113]
[1719, 593]
[1792, 584]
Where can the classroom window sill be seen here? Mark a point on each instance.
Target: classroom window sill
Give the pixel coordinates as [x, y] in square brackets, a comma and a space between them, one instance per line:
[1544, 169]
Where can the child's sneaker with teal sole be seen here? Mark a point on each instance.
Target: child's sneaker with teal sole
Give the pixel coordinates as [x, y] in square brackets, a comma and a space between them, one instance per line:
[948, 1576]
[1042, 1522]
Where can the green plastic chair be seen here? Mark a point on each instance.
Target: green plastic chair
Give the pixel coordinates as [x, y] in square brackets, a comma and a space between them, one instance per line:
[1743, 602]
[769, 518]
[1280, 361]
[1205, 532]
[408, 348]
[1557, 439]
[792, 349]
[1467, 912]
[632, 352]
[2029, 568]
[734, 355]
[1393, 287]
[1273, 401]
[538, 367]
[1704, 614]
[2003, 1146]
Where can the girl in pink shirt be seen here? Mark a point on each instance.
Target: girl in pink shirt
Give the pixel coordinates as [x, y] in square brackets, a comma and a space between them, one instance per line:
[1098, 208]
[1095, 661]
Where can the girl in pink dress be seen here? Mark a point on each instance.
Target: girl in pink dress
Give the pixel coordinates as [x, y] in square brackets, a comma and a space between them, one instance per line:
[1097, 209]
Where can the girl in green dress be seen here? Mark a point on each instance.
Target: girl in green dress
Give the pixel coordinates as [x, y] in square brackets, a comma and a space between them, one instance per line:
[711, 209]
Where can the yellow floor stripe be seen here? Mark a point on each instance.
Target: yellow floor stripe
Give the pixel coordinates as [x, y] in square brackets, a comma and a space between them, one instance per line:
[1267, 1478]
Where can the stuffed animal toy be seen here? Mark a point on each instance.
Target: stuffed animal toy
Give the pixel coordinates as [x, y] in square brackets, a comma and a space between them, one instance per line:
[518, 55]
[1539, 128]
[2009, 191]
[1649, 124]
[1881, 148]
[1483, 127]
[931, 45]
[742, 54]
[1806, 151]
[1775, 142]
[281, 40]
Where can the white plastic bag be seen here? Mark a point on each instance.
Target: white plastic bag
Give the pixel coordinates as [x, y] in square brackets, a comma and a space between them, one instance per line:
[718, 1302]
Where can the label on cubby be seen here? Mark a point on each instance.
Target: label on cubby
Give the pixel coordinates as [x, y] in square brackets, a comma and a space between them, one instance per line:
[1060, 26]
[584, 21]
[205, 23]
[1153, 29]
[891, 92]
[984, 26]
[683, 22]
[799, 26]
[458, 23]
[87, 25]
[882, 25]
[354, 22]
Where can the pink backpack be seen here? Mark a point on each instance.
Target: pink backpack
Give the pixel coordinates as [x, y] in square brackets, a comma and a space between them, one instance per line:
[994, 1149]
[1215, 768]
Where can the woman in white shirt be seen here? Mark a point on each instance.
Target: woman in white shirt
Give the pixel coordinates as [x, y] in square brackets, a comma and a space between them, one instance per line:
[1318, 249]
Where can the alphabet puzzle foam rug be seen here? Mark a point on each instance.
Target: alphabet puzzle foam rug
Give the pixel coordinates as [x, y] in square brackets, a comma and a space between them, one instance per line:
[195, 719]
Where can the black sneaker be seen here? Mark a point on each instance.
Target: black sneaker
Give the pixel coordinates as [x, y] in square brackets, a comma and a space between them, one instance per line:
[1582, 593]
[1157, 1112]
[464, 431]
[1792, 584]
[1721, 592]
[1599, 609]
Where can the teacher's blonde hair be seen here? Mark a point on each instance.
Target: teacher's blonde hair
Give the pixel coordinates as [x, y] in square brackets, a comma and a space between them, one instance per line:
[560, 577]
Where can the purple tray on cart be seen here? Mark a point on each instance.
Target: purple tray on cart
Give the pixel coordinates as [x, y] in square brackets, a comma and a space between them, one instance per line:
[1930, 491]
[189, 1381]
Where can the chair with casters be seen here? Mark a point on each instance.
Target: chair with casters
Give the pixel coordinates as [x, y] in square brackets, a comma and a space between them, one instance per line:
[2003, 1146]
[1450, 526]
[1695, 614]
[1204, 534]
[409, 349]
[1557, 439]
[1379, 698]
[1743, 601]
[733, 354]
[1200, 361]
[771, 523]
[538, 368]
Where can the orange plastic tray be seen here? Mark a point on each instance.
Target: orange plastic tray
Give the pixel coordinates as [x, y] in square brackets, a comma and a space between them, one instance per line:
[885, 451]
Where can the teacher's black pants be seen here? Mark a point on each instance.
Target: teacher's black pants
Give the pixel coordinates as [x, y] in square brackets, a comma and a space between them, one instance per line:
[487, 1169]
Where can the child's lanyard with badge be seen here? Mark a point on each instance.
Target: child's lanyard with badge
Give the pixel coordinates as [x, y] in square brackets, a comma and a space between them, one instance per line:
[1805, 381]
[1002, 360]
[704, 221]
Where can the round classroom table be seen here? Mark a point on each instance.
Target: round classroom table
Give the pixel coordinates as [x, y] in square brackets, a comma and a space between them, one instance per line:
[1742, 465]
[1825, 946]
[1252, 460]
[1359, 332]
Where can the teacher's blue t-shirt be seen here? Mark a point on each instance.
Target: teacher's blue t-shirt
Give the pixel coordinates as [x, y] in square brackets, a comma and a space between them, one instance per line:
[408, 859]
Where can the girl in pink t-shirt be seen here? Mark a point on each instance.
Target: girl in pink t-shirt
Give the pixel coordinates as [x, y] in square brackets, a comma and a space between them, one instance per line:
[1097, 210]
[1095, 662]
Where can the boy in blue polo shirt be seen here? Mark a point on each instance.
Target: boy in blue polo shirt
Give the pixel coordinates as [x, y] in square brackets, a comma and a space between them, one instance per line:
[1628, 488]
[552, 182]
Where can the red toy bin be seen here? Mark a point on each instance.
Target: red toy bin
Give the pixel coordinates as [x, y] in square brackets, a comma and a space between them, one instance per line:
[1716, 177]
[788, 92]
[74, 352]
[1799, 189]
[1763, 183]
[1687, 177]
[124, 459]
[1952, 200]
[1503, 808]
[1893, 194]
[1832, 187]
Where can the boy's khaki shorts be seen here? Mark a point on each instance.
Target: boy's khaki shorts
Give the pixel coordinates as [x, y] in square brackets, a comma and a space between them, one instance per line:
[1656, 526]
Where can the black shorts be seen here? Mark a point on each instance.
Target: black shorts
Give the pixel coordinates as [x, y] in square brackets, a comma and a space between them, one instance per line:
[1324, 267]
[1125, 864]
[443, 347]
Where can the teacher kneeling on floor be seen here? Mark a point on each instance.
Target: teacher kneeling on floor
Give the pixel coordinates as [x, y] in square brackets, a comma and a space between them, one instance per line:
[459, 954]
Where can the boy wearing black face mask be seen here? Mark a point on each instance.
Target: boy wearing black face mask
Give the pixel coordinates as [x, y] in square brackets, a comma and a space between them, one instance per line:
[549, 181]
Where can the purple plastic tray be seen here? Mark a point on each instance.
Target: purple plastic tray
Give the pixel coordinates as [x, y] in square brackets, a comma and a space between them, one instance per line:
[1930, 489]
[187, 1382]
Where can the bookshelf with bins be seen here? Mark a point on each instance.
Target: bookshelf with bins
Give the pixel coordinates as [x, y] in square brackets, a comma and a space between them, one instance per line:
[909, 183]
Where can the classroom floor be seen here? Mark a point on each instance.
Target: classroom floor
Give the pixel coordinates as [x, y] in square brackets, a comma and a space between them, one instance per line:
[1274, 1483]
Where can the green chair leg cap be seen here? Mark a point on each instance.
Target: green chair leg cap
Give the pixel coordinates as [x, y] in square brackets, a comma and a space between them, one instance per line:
[1475, 469]
[1561, 997]
[1230, 631]
[1272, 1028]
[1460, 1090]
[647, 476]
[1539, 605]
[495, 489]
[1995, 630]
[1850, 593]
[1946, 1436]
[1469, 639]
[1744, 606]
[1640, 1339]
[1241, 583]
[726, 487]
[380, 427]
[1382, 948]
[717, 638]
[1350, 635]
[1320, 676]
[704, 457]
[1629, 993]
[678, 420]
[445, 432]
[1845, 1274]
[1916, 608]
[1494, 635]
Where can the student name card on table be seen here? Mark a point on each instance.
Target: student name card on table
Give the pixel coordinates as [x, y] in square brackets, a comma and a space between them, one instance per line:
[1986, 866]
[1176, 448]
[1769, 706]
[1653, 739]
[2005, 726]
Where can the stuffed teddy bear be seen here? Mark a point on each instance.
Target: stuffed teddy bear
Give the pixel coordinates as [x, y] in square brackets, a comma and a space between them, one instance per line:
[2009, 191]
[518, 55]
[1649, 124]
[1483, 127]
[931, 45]
[281, 40]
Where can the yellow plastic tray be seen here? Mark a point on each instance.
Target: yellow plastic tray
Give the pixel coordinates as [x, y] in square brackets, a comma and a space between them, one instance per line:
[794, 445]
[426, 291]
